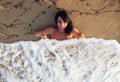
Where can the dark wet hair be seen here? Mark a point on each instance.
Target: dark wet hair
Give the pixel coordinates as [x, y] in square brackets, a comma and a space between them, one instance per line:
[64, 16]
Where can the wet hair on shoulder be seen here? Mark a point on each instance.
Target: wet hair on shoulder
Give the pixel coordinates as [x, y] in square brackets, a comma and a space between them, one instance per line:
[63, 14]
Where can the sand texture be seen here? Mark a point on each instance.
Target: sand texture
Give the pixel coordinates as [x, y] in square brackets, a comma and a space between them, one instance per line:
[19, 19]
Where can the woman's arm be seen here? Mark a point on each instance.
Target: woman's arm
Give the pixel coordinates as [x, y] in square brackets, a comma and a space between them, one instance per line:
[77, 34]
[44, 32]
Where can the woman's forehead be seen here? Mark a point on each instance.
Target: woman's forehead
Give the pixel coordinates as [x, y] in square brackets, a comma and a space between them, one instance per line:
[60, 18]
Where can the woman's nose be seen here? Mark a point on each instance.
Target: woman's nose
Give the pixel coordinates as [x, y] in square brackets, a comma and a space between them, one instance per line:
[63, 23]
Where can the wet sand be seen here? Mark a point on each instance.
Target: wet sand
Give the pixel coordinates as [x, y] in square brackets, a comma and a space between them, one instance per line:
[20, 19]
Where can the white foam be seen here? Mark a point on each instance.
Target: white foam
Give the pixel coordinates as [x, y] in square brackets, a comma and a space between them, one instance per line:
[85, 60]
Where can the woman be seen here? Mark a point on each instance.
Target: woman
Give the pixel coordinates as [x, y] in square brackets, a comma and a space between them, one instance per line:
[63, 30]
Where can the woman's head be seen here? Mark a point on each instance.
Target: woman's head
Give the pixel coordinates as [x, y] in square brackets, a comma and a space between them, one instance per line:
[63, 21]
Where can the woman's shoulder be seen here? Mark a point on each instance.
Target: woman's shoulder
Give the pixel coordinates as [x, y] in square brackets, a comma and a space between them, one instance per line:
[46, 30]
[75, 30]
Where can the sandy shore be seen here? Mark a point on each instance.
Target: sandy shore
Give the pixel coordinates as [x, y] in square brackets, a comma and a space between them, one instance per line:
[20, 19]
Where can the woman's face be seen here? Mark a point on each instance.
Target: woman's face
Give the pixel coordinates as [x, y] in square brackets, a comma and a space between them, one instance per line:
[61, 24]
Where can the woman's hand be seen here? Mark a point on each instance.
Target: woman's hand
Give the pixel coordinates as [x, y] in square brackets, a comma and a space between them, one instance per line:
[40, 35]
[80, 35]
[43, 36]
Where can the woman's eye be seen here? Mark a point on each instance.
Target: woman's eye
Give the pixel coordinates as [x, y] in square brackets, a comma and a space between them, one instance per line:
[60, 21]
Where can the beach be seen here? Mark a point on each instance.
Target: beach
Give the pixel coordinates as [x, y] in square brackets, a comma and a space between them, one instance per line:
[20, 19]
[25, 58]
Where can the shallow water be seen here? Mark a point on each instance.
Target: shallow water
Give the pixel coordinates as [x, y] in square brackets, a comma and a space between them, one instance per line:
[85, 60]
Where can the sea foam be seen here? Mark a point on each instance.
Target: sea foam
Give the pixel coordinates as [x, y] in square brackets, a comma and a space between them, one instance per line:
[73, 60]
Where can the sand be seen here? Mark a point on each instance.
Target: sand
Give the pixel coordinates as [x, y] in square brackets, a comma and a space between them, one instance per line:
[20, 19]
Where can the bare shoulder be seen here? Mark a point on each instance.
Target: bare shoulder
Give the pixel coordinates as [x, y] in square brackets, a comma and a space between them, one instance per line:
[44, 31]
[50, 28]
